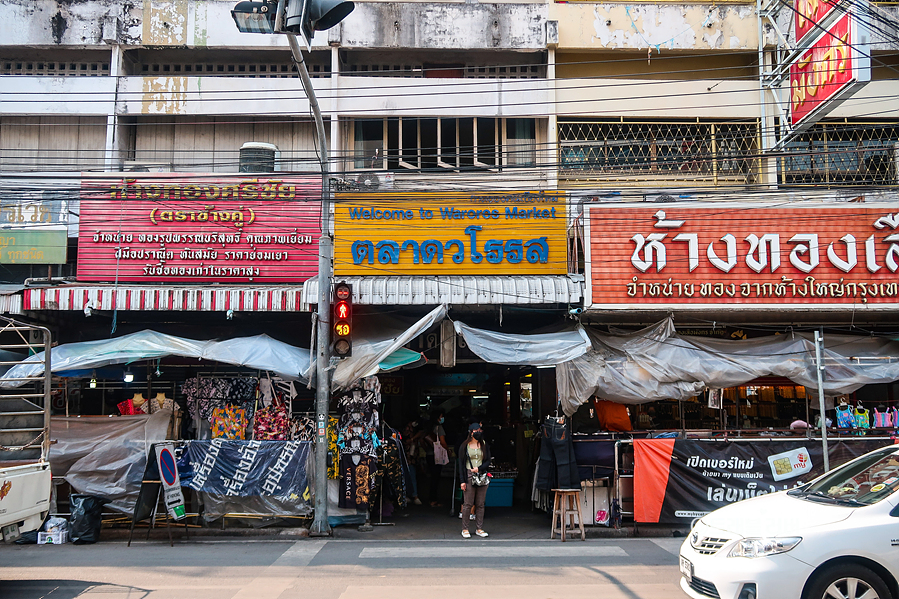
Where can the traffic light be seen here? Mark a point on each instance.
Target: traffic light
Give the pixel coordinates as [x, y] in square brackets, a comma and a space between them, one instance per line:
[342, 321]
[309, 16]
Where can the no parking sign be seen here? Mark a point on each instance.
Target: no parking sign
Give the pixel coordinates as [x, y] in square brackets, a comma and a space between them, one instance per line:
[171, 483]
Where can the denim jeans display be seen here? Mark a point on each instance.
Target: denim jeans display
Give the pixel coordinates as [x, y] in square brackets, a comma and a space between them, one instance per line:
[558, 466]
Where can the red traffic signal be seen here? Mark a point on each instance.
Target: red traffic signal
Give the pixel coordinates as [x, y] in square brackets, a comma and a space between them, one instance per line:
[342, 329]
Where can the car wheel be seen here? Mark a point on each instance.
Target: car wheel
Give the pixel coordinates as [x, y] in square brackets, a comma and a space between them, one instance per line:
[848, 581]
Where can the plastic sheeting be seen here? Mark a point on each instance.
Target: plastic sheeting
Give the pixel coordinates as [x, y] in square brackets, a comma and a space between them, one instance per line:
[261, 352]
[106, 457]
[368, 355]
[546, 349]
[657, 363]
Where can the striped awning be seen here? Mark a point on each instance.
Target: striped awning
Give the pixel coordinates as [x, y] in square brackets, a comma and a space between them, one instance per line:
[165, 298]
[432, 291]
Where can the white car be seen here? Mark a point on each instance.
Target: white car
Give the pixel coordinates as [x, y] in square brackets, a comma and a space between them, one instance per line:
[836, 537]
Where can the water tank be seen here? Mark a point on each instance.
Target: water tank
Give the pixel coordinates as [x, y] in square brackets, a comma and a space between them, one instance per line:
[258, 157]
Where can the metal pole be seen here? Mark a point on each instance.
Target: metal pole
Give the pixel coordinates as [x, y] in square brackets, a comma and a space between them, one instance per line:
[320, 526]
[819, 367]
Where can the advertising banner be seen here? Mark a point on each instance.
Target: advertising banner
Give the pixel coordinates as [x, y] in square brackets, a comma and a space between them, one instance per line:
[247, 468]
[677, 480]
[495, 233]
[755, 255]
[831, 70]
[199, 228]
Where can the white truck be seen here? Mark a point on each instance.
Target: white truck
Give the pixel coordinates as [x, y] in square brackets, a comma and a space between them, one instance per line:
[25, 478]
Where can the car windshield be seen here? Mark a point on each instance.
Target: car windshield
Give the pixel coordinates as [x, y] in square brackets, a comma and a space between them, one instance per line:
[860, 483]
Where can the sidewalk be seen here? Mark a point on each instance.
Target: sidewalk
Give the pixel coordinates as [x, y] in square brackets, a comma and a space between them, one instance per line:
[417, 523]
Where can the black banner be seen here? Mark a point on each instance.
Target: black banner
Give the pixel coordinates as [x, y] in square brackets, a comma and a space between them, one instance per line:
[246, 468]
[701, 476]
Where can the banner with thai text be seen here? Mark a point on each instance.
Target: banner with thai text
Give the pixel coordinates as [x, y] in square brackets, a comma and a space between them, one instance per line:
[246, 468]
[677, 480]
[489, 233]
[199, 228]
[767, 257]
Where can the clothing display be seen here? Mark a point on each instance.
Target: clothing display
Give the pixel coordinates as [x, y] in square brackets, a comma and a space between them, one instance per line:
[862, 417]
[229, 422]
[558, 466]
[845, 417]
[357, 443]
[882, 419]
[272, 423]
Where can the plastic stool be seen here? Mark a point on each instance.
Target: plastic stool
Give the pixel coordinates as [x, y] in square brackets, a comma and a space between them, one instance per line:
[566, 505]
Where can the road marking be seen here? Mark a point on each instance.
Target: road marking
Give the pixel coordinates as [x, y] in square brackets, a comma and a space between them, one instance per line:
[281, 575]
[630, 590]
[489, 550]
[669, 545]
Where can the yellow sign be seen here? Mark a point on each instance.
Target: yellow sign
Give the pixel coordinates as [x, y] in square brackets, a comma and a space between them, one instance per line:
[495, 233]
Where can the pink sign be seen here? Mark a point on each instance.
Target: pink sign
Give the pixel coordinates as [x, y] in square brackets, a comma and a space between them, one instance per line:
[199, 228]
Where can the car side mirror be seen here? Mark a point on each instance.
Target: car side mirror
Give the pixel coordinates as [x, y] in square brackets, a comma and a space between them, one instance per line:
[895, 512]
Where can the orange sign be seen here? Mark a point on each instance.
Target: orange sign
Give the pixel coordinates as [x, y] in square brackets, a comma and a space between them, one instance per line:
[767, 257]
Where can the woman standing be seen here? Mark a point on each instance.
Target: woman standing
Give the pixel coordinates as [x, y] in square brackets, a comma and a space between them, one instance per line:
[473, 463]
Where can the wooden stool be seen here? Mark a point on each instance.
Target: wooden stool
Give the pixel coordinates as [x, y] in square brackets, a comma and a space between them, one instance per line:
[566, 505]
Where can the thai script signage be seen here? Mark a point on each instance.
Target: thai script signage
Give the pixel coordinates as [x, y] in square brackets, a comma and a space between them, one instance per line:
[810, 16]
[199, 229]
[450, 233]
[33, 245]
[33, 221]
[679, 480]
[764, 256]
[830, 71]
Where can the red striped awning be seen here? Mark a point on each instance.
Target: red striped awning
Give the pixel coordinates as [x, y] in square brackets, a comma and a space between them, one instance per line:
[165, 298]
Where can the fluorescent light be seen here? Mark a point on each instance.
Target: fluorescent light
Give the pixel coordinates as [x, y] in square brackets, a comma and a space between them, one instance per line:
[129, 376]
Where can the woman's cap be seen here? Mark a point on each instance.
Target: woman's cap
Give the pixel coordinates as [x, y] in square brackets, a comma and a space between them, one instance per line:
[474, 426]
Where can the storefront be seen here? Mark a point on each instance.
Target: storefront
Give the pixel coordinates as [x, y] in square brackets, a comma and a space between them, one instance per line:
[749, 301]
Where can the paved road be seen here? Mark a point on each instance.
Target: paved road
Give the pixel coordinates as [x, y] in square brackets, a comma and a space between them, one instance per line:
[336, 569]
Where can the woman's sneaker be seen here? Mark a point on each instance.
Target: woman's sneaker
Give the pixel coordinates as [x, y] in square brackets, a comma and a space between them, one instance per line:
[481, 533]
[466, 534]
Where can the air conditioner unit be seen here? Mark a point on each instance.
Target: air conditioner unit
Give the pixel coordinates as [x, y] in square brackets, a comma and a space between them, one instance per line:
[145, 166]
[368, 181]
[258, 157]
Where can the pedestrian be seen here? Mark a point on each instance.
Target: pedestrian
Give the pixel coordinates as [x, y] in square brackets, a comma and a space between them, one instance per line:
[473, 463]
[436, 435]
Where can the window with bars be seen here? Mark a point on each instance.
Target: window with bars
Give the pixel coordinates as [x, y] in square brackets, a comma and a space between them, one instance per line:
[449, 143]
[617, 150]
[842, 154]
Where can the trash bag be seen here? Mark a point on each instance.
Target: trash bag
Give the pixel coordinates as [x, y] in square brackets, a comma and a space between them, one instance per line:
[86, 518]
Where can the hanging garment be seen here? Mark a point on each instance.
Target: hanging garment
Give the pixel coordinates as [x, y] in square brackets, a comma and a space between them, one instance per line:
[862, 418]
[882, 419]
[356, 481]
[303, 429]
[390, 471]
[272, 423]
[333, 452]
[126, 408]
[558, 465]
[894, 416]
[229, 422]
[845, 418]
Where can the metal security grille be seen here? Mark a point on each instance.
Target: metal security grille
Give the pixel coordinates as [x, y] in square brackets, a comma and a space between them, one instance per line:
[637, 152]
[835, 154]
[248, 70]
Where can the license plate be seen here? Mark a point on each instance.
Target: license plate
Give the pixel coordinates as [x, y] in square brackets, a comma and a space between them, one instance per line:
[686, 568]
[10, 532]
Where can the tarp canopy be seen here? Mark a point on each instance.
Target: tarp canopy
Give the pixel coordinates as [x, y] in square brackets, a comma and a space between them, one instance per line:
[369, 355]
[261, 352]
[657, 363]
[547, 349]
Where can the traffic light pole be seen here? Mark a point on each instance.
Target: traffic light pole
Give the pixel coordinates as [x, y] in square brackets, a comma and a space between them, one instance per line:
[320, 526]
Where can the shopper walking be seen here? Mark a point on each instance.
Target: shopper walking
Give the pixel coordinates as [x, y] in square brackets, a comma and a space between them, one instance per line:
[436, 436]
[473, 463]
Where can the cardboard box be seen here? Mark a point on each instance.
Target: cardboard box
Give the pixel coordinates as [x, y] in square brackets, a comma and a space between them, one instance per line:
[52, 538]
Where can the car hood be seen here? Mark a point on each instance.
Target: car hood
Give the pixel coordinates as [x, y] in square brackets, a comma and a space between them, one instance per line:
[777, 514]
